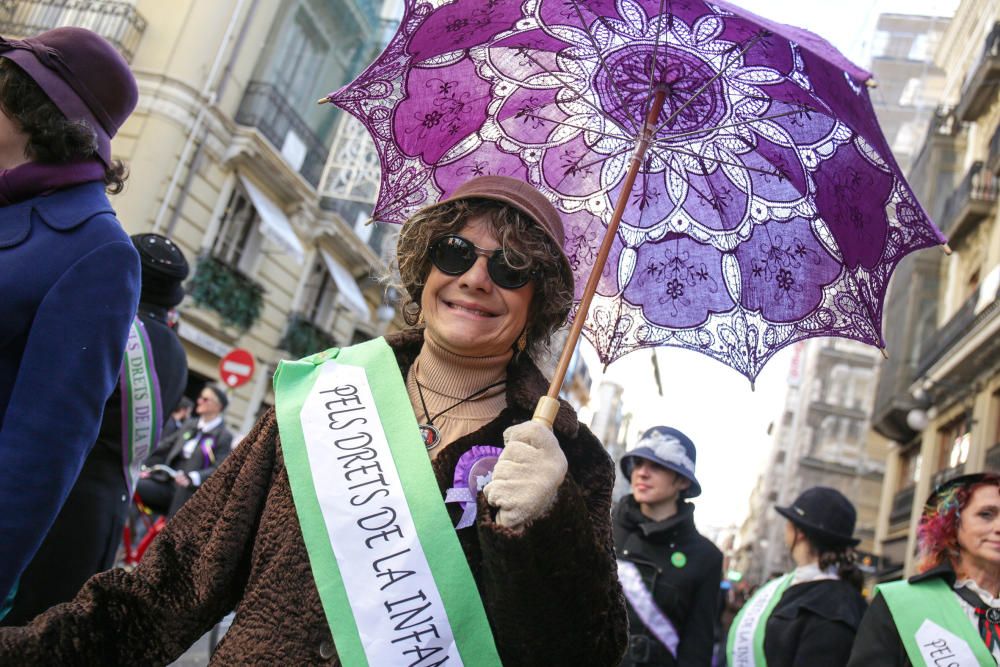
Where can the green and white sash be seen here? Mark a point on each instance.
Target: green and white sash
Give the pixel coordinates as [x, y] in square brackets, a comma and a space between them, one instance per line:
[934, 629]
[745, 647]
[142, 411]
[391, 574]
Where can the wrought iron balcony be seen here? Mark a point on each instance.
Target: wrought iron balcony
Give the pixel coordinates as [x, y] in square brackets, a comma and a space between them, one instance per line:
[265, 107]
[303, 337]
[960, 324]
[973, 199]
[237, 298]
[902, 505]
[979, 90]
[116, 21]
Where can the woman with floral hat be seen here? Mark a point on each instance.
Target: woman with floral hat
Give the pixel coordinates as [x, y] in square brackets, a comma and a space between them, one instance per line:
[808, 616]
[948, 613]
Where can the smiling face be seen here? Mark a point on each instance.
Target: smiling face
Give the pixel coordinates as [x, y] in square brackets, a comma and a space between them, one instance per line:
[468, 314]
[979, 529]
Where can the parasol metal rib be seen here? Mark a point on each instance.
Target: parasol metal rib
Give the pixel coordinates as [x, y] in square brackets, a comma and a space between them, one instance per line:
[548, 405]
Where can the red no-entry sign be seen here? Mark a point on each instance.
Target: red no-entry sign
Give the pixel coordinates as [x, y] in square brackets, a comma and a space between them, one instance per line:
[236, 368]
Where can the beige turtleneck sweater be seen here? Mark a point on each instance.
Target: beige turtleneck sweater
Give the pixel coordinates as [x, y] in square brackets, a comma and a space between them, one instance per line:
[447, 378]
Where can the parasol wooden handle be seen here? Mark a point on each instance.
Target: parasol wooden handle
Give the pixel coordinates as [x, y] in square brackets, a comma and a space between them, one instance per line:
[548, 405]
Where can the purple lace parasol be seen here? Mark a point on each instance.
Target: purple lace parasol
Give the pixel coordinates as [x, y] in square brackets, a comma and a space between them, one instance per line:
[768, 208]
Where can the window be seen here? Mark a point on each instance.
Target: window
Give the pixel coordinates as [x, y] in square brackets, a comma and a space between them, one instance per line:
[880, 43]
[300, 57]
[954, 440]
[909, 467]
[238, 242]
[920, 48]
[319, 297]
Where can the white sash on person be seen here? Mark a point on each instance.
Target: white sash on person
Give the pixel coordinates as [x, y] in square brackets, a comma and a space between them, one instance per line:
[645, 606]
[746, 636]
[141, 406]
[392, 576]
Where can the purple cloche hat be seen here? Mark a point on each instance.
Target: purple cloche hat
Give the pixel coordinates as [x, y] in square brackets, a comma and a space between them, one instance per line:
[83, 75]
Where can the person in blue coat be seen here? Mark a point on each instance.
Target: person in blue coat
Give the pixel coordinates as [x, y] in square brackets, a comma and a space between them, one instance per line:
[70, 277]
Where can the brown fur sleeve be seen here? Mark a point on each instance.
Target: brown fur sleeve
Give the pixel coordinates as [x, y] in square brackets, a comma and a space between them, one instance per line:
[192, 575]
[551, 589]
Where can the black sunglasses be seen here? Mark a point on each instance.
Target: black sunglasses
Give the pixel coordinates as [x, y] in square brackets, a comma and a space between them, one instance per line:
[454, 255]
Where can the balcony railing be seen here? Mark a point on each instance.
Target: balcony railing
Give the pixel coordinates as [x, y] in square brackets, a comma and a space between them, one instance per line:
[237, 298]
[960, 324]
[979, 90]
[303, 337]
[902, 505]
[973, 199]
[266, 108]
[116, 21]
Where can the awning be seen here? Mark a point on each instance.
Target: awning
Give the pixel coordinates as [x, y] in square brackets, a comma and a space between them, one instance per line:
[349, 293]
[274, 223]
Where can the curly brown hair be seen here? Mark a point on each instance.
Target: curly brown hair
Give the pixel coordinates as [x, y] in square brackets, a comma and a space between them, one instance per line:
[525, 245]
[52, 138]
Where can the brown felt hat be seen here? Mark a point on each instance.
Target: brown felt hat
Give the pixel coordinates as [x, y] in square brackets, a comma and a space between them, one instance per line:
[525, 198]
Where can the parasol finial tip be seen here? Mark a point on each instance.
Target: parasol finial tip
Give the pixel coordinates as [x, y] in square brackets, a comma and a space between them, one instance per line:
[885, 355]
[871, 83]
[323, 100]
[946, 248]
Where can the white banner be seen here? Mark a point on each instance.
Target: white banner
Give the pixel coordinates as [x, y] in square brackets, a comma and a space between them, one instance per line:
[941, 647]
[400, 617]
[743, 644]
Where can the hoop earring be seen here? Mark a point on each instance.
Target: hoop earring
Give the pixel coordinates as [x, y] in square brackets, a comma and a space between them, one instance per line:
[522, 341]
[420, 319]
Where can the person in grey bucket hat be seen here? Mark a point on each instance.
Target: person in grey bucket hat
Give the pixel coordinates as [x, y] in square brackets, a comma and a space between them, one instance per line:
[669, 572]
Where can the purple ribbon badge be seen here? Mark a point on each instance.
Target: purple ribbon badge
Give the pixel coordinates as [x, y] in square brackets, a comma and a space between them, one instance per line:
[473, 471]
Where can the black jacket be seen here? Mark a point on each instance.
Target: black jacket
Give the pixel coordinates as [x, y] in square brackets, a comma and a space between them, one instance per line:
[814, 624]
[170, 362]
[219, 441]
[878, 641]
[687, 595]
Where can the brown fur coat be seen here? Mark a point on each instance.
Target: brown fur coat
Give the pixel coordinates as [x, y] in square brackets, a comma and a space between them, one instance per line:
[551, 593]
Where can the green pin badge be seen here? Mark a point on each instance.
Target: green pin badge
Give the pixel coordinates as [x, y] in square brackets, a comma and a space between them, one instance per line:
[678, 559]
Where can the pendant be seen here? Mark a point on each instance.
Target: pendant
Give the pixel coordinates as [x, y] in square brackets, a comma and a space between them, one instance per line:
[431, 435]
[993, 615]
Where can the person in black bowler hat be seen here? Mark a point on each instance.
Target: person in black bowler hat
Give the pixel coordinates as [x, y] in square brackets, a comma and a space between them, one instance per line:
[85, 537]
[810, 615]
[670, 573]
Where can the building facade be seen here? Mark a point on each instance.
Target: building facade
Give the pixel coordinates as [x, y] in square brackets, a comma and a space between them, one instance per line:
[939, 394]
[820, 439]
[227, 152]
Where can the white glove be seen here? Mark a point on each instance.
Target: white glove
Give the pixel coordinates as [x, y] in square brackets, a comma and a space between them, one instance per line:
[527, 474]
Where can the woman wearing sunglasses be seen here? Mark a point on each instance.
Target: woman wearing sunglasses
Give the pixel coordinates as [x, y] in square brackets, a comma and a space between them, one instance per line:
[313, 555]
